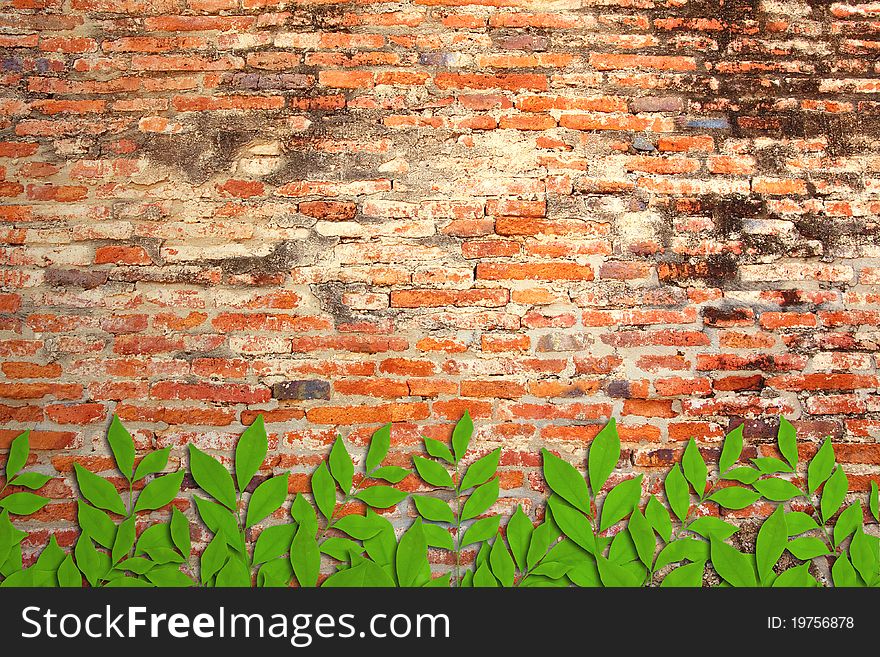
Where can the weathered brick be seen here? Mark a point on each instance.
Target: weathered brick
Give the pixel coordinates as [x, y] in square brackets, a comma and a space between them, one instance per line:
[307, 389]
[213, 209]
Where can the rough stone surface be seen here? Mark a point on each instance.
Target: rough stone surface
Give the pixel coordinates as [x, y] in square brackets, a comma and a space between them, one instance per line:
[343, 214]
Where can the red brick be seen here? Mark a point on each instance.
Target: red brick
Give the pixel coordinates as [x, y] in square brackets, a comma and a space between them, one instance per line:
[535, 271]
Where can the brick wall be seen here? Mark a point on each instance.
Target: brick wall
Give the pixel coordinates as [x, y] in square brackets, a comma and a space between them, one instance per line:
[347, 213]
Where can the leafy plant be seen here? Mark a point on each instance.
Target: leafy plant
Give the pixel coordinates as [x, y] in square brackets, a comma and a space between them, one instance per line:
[108, 551]
[597, 528]
[369, 533]
[22, 503]
[466, 496]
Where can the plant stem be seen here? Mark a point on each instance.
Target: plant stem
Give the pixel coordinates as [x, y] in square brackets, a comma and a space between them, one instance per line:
[457, 527]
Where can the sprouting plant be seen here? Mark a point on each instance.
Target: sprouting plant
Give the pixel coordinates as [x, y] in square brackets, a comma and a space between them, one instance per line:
[531, 557]
[226, 560]
[22, 503]
[375, 533]
[109, 520]
[463, 509]
[587, 537]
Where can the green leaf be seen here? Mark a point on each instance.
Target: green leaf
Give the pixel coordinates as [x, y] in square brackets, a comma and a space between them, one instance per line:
[360, 527]
[461, 435]
[677, 492]
[623, 549]
[51, 556]
[18, 454]
[250, 452]
[99, 492]
[687, 576]
[391, 473]
[736, 568]
[480, 500]
[771, 465]
[275, 573]
[122, 446]
[304, 514]
[799, 522]
[438, 450]
[551, 569]
[340, 548]
[501, 562]
[341, 465]
[159, 492]
[23, 504]
[614, 575]
[732, 449]
[93, 564]
[380, 443]
[432, 472]
[162, 555]
[771, 543]
[442, 582]
[154, 536]
[324, 490]
[743, 475]
[798, 577]
[564, 480]
[213, 558]
[438, 537]
[219, 520]
[681, 549]
[620, 501]
[642, 536]
[777, 490]
[381, 497]
[152, 463]
[863, 553]
[382, 548]
[305, 557]
[481, 470]
[273, 542]
[124, 581]
[481, 530]
[658, 516]
[806, 548]
[233, 574]
[68, 574]
[787, 441]
[735, 497]
[603, 456]
[573, 524]
[365, 574]
[125, 536]
[545, 534]
[843, 574]
[483, 577]
[848, 521]
[169, 576]
[413, 568]
[874, 501]
[32, 480]
[519, 535]
[180, 532]
[137, 565]
[212, 477]
[695, 470]
[821, 466]
[833, 493]
[267, 499]
[430, 508]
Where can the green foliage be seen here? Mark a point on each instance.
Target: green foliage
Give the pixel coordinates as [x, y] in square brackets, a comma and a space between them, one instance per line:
[453, 518]
[597, 528]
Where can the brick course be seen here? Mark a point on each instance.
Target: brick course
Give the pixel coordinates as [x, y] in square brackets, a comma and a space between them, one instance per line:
[345, 214]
